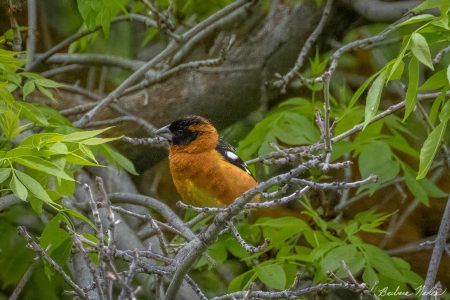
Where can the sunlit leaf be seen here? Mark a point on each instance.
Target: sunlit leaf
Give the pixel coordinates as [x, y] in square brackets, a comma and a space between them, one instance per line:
[373, 98]
[19, 190]
[430, 148]
[33, 186]
[413, 82]
[421, 50]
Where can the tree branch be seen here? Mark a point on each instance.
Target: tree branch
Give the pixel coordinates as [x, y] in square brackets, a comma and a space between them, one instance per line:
[439, 247]
[381, 11]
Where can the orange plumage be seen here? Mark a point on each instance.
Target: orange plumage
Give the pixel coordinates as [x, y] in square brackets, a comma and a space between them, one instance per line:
[205, 171]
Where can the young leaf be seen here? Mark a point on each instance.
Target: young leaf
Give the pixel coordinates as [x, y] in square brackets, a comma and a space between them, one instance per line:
[33, 186]
[53, 235]
[19, 190]
[415, 187]
[242, 281]
[272, 275]
[332, 260]
[4, 174]
[361, 90]
[370, 277]
[430, 148]
[444, 115]
[43, 165]
[382, 262]
[373, 98]
[448, 73]
[118, 159]
[83, 135]
[421, 50]
[28, 88]
[79, 216]
[417, 19]
[436, 81]
[413, 83]
[436, 105]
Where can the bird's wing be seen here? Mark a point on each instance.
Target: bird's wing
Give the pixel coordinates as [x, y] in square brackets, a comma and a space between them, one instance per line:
[229, 154]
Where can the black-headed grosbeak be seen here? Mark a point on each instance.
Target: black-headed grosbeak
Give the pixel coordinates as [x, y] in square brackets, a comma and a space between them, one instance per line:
[206, 171]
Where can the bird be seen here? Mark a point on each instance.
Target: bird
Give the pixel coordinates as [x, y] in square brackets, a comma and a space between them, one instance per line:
[206, 171]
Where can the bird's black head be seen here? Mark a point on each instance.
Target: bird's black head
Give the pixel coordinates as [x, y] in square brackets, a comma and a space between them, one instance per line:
[185, 130]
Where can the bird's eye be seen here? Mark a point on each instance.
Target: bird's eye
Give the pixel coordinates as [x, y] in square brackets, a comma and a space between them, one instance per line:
[179, 131]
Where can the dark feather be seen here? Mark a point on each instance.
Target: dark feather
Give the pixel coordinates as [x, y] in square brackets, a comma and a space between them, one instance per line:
[229, 154]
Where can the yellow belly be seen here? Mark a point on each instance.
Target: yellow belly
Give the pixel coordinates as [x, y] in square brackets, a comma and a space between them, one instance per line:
[191, 194]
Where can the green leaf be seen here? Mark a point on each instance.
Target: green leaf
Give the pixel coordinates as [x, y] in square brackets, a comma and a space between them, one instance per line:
[382, 262]
[28, 88]
[430, 148]
[83, 135]
[34, 187]
[242, 281]
[19, 190]
[370, 277]
[79, 160]
[413, 83]
[43, 165]
[47, 83]
[444, 115]
[448, 73]
[415, 187]
[46, 92]
[373, 98]
[79, 216]
[436, 105]
[417, 19]
[361, 90]
[272, 275]
[376, 159]
[100, 12]
[53, 235]
[36, 204]
[4, 174]
[395, 74]
[421, 50]
[118, 159]
[435, 82]
[429, 4]
[97, 141]
[432, 189]
[218, 252]
[332, 260]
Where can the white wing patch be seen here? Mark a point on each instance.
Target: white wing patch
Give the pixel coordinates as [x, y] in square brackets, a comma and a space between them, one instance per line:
[231, 155]
[228, 153]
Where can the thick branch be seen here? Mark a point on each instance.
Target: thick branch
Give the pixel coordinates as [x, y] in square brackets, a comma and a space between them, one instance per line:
[439, 248]
[382, 11]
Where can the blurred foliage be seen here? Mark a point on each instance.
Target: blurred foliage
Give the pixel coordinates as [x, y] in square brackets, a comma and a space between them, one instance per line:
[314, 250]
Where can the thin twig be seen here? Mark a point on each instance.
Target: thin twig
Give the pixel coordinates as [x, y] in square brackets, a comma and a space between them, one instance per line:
[437, 59]
[244, 244]
[31, 40]
[39, 250]
[169, 50]
[65, 43]
[283, 81]
[23, 281]
[335, 185]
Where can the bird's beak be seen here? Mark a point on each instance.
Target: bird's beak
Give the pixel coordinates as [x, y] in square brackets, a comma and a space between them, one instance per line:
[164, 132]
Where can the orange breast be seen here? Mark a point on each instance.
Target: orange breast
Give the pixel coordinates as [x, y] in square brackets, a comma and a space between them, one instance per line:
[206, 179]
